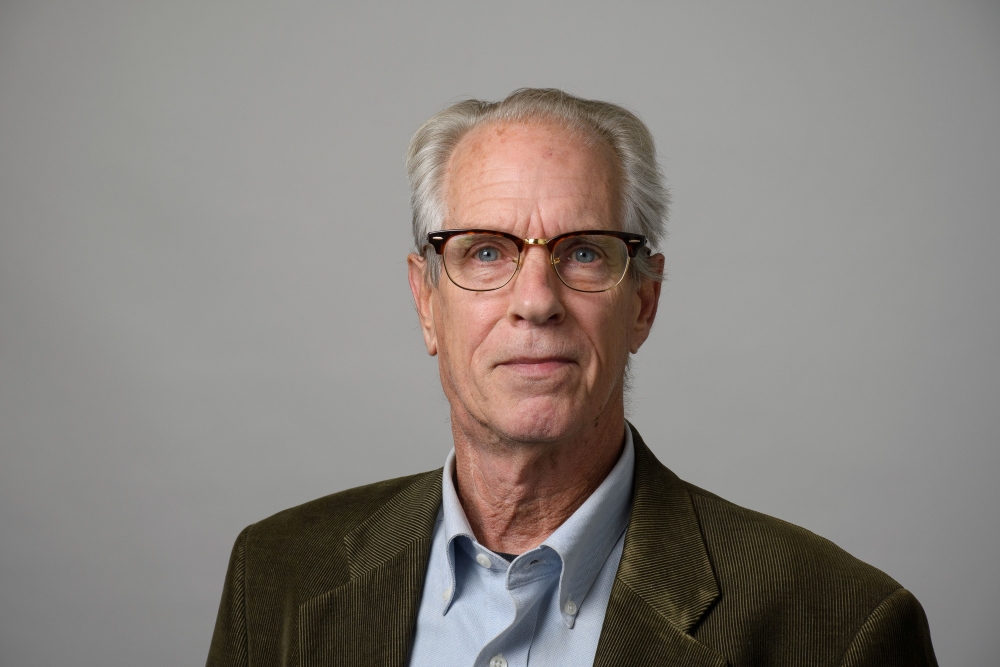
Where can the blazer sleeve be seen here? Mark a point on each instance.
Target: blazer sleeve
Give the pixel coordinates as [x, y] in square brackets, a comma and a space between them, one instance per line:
[894, 635]
[229, 642]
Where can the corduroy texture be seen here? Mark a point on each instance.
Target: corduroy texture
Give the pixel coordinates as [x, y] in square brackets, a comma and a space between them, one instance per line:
[702, 582]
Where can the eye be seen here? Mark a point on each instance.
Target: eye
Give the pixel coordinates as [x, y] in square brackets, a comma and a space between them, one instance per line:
[487, 254]
[584, 255]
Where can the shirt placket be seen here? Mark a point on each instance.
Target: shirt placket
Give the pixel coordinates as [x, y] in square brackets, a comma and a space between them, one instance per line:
[530, 581]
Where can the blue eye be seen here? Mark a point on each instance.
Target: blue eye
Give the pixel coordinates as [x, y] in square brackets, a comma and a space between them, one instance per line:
[487, 254]
[584, 255]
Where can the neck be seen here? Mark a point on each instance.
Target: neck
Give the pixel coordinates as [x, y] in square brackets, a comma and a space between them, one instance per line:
[516, 494]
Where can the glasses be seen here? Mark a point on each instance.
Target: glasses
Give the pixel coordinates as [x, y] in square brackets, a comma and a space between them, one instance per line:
[480, 260]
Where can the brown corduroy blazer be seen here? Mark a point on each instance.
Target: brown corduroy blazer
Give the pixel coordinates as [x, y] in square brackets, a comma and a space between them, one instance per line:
[702, 582]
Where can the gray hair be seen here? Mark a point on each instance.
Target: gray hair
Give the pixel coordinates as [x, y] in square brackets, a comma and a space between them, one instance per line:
[643, 192]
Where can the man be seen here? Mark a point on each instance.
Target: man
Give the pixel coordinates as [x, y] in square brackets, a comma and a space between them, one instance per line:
[552, 536]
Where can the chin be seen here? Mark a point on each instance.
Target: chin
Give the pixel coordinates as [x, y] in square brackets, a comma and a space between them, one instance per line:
[538, 419]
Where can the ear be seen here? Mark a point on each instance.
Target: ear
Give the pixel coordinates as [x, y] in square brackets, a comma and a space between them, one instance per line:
[422, 291]
[649, 299]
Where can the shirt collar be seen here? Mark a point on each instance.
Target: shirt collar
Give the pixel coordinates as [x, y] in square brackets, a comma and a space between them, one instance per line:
[583, 542]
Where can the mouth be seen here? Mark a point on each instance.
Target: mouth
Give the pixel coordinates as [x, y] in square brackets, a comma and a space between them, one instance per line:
[536, 366]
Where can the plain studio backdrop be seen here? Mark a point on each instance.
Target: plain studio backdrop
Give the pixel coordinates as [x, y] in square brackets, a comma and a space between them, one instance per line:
[204, 314]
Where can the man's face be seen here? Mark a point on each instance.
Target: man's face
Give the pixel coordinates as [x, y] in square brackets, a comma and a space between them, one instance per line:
[533, 360]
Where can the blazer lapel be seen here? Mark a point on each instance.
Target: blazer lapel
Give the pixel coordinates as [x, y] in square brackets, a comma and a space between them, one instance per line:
[370, 620]
[665, 582]
[664, 585]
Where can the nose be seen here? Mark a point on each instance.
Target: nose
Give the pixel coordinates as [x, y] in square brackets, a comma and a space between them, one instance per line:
[535, 296]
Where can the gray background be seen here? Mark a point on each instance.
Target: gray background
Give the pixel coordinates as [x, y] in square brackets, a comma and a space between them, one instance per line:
[191, 339]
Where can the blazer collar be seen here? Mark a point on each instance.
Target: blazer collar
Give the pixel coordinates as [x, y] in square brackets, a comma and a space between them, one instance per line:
[664, 585]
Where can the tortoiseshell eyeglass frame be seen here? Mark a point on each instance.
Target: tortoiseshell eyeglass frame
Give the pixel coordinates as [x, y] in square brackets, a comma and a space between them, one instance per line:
[633, 242]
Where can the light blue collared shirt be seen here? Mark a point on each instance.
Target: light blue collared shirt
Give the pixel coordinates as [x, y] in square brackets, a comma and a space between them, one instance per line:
[546, 607]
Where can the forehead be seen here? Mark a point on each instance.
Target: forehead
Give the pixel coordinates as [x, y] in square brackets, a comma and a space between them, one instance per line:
[510, 174]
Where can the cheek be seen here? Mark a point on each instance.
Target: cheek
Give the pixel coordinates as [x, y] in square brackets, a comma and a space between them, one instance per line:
[465, 328]
[608, 329]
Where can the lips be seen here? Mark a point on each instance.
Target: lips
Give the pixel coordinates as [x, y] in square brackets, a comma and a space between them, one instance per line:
[535, 360]
[538, 366]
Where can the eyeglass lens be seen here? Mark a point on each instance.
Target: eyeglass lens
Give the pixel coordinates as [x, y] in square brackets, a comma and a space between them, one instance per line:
[588, 263]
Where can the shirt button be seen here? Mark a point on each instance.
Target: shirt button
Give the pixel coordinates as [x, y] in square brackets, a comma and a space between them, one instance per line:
[484, 560]
[447, 594]
[498, 661]
[570, 608]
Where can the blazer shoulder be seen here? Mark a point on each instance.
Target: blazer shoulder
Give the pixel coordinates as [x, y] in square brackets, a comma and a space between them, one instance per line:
[756, 554]
[783, 595]
[798, 597]
[781, 551]
[306, 542]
